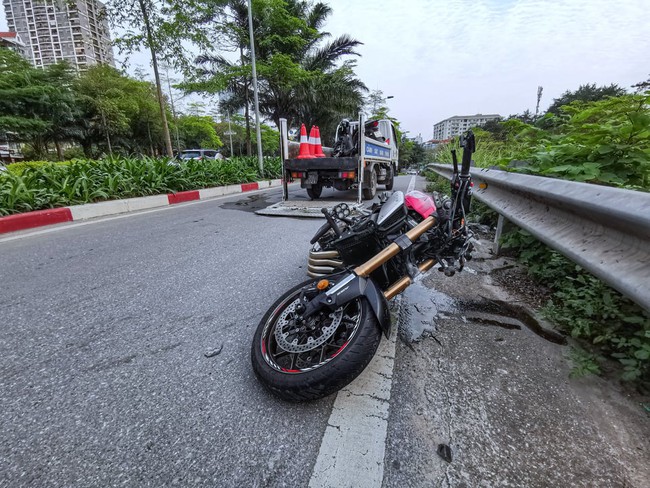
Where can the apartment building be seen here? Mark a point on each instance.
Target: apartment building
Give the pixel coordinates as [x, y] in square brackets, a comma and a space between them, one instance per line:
[12, 41]
[75, 31]
[458, 124]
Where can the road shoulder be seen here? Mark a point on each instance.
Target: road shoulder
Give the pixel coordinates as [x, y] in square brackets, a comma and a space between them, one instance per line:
[501, 398]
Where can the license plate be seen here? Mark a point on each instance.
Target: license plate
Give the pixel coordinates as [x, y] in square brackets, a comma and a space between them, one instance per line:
[312, 178]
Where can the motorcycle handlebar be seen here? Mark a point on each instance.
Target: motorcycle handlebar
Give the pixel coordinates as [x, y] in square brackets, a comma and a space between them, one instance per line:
[468, 142]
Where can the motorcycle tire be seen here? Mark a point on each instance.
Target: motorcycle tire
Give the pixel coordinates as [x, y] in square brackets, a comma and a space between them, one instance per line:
[299, 376]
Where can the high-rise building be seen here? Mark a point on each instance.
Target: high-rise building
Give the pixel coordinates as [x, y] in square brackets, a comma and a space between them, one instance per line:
[458, 124]
[75, 31]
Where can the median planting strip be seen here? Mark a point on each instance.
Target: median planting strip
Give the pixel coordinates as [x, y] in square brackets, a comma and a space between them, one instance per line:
[40, 218]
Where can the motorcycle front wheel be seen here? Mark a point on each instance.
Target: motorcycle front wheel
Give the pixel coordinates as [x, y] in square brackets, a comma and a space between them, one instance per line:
[319, 358]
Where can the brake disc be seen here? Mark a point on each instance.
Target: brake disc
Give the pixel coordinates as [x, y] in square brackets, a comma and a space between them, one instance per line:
[297, 339]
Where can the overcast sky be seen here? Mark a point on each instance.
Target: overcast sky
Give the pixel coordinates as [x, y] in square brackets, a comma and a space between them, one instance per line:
[462, 57]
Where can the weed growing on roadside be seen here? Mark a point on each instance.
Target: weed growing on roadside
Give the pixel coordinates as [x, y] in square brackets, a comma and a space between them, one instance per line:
[584, 363]
[587, 308]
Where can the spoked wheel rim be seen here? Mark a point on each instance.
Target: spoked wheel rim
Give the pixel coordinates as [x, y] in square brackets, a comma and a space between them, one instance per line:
[293, 349]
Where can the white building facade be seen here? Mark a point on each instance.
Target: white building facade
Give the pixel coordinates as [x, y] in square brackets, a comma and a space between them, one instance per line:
[75, 31]
[458, 124]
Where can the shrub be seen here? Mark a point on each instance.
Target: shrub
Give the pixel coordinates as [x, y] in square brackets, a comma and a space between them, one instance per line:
[41, 184]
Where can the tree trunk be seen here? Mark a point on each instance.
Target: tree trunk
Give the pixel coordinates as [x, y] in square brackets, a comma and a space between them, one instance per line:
[59, 151]
[151, 151]
[154, 62]
[87, 147]
[108, 137]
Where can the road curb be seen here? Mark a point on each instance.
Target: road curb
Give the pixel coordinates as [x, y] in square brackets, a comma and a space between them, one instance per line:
[40, 218]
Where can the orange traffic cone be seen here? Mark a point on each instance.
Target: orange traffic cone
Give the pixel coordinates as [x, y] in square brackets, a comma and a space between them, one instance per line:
[312, 140]
[318, 148]
[305, 153]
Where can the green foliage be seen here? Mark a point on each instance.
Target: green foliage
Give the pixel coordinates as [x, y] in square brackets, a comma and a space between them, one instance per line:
[300, 77]
[198, 132]
[39, 185]
[584, 363]
[117, 109]
[585, 93]
[586, 307]
[490, 151]
[100, 109]
[36, 105]
[605, 142]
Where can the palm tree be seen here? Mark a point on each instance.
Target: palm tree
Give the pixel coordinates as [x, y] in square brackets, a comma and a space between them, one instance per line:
[298, 78]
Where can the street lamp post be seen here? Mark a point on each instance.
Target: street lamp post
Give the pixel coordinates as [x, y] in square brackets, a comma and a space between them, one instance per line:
[257, 103]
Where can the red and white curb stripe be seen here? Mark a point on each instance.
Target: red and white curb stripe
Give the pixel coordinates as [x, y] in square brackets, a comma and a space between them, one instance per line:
[39, 218]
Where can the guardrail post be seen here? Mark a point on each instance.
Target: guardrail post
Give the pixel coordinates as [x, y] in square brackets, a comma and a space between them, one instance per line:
[497, 236]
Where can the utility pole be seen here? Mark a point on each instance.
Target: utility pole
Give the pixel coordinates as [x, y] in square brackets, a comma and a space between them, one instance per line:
[257, 102]
[539, 97]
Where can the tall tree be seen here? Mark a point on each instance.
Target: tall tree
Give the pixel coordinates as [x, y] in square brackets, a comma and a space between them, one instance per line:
[162, 27]
[36, 105]
[117, 111]
[198, 132]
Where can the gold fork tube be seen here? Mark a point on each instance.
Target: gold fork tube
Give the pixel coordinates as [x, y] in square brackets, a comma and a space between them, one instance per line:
[393, 249]
[403, 283]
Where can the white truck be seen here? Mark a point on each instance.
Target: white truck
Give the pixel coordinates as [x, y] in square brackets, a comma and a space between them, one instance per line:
[359, 160]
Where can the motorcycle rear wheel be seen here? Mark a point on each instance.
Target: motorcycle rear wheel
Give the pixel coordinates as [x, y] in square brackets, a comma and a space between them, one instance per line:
[321, 370]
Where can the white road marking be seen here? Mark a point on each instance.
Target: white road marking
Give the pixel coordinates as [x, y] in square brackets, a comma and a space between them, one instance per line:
[411, 184]
[353, 446]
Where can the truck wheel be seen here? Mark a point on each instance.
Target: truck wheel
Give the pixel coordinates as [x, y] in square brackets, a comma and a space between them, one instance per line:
[369, 193]
[390, 181]
[314, 191]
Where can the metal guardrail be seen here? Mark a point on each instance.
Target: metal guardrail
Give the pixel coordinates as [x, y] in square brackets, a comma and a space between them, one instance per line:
[605, 230]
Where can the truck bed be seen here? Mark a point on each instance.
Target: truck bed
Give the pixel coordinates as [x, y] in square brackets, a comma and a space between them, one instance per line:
[343, 164]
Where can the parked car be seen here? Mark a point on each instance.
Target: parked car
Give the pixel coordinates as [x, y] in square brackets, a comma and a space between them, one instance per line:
[200, 154]
[2, 167]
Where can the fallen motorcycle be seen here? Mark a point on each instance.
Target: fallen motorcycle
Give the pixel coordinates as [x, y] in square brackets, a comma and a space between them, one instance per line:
[320, 335]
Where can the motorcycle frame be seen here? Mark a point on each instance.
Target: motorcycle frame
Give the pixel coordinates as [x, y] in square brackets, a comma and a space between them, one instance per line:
[358, 282]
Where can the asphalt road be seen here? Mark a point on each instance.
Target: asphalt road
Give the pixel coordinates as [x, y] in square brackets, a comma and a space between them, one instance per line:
[104, 380]
[104, 334]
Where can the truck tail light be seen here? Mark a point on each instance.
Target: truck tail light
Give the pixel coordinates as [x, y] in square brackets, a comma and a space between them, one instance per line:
[347, 175]
[297, 174]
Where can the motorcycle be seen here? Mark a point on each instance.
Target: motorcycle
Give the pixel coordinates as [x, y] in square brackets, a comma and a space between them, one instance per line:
[321, 334]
